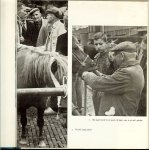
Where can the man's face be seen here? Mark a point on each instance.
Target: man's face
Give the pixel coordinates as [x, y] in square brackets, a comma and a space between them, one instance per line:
[50, 18]
[99, 44]
[75, 42]
[22, 12]
[66, 22]
[36, 16]
[117, 58]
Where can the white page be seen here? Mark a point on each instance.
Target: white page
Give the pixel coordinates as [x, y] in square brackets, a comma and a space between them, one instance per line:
[131, 132]
[8, 108]
[107, 132]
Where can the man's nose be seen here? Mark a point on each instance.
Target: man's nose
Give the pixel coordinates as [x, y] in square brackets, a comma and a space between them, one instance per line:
[93, 63]
[98, 46]
[25, 12]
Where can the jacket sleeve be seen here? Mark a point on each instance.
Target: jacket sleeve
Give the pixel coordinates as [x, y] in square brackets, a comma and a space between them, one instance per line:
[117, 83]
[59, 44]
[24, 47]
[17, 36]
[41, 40]
[61, 29]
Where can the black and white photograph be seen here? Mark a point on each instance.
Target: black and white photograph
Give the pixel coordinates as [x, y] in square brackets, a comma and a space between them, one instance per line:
[109, 70]
[74, 74]
[41, 73]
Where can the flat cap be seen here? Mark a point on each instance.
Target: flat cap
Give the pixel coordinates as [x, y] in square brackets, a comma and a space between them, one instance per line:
[28, 9]
[126, 46]
[33, 10]
[53, 10]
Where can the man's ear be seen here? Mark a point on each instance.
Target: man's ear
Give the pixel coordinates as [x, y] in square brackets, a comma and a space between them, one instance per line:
[111, 56]
[123, 55]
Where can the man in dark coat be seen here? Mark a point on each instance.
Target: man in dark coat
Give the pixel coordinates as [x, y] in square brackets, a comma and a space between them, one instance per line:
[122, 90]
[27, 33]
[31, 32]
[21, 15]
[62, 41]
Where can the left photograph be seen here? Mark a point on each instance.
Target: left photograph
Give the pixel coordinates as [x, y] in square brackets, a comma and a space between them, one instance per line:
[41, 73]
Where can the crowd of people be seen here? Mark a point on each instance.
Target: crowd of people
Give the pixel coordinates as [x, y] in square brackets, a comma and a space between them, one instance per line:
[35, 30]
[42, 33]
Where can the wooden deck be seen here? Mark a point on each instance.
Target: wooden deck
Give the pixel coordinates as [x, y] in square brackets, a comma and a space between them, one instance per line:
[54, 133]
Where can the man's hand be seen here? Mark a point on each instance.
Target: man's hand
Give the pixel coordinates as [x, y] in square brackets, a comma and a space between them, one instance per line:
[86, 68]
[22, 39]
[24, 47]
[81, 70]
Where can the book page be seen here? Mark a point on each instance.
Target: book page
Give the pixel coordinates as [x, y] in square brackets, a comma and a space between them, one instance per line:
[109, 129]
[120, 21]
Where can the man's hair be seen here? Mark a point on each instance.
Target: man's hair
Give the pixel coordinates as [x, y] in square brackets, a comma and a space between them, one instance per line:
[19, 6]
[100, 35]
[65, 16]
[145, 39]
[144, 43]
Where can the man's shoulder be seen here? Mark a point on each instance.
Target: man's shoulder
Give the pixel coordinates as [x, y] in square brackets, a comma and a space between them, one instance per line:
[123, 70]
[59, 24]
[63, 36]
[131, 68]
[121, 73]
[129, 71]
[45, 25]
[44, 22]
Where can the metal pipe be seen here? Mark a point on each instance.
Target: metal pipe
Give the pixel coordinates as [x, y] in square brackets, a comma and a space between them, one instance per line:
[42, 91]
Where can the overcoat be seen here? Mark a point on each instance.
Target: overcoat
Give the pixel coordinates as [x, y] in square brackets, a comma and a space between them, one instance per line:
[48, 35]
[62, 44]
[31, 33]
[122, 90]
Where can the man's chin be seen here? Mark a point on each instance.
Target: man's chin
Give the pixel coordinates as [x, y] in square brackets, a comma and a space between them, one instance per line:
[116, 65]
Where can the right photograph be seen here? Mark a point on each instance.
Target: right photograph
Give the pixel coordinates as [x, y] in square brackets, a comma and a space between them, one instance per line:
[109, 70]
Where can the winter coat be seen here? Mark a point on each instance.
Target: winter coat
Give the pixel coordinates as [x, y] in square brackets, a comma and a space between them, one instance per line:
[31, 33]
[49, 37]
[122, 90]
[62, 44]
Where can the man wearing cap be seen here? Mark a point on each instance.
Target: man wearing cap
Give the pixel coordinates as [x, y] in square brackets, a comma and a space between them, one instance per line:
[48, 38]
[48, 34]
[32, 27]
[21, 16]
[122, 90]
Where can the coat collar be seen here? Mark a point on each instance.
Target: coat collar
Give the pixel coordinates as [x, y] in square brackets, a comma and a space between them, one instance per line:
[55, 24]
[19, 19]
